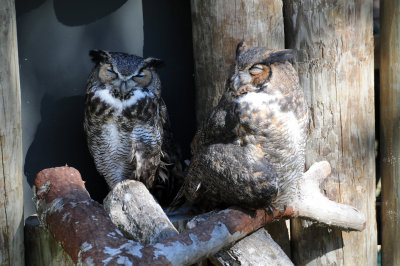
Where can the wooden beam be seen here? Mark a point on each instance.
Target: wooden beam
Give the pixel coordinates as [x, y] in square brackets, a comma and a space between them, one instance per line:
[390, 130]
[11, 196]
[334, 45]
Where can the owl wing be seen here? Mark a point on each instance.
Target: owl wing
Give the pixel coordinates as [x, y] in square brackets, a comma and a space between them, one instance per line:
[222, 175]
[220, 126]
[170, 173]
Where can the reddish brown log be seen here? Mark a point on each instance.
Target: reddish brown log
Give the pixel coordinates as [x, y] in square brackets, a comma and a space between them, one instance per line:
[87, 234]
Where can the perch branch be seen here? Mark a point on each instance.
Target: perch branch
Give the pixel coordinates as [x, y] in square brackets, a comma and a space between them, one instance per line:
[311, 204]
[87, 234]
[136, 213]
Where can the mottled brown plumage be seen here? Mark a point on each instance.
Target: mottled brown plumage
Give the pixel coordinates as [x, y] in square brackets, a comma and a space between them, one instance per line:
[250, 150]
[126, 122]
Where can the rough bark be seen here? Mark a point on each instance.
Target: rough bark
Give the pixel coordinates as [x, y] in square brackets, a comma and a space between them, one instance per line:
[11, 198]
[217, 28]
[40, 246]
[134, 211]
[334, 45]
[87, 234]
[390, 131]
[256, 249]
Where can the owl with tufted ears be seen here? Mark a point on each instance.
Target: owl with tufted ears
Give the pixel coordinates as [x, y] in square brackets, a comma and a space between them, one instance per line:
[249, 152]
[126, 122]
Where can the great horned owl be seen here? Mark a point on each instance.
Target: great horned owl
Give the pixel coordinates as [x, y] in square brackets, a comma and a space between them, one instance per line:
[126, 121]
[250, 150]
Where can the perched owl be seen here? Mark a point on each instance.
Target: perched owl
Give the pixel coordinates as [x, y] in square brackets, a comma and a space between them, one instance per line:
[126, 122]
[250, 150]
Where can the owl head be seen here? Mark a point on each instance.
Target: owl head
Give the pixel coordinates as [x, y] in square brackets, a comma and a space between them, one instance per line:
[254, 68]
[123, 75]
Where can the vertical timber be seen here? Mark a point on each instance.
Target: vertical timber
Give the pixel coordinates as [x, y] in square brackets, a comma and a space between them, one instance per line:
[334, 45]
[390, 130]
[11, 198]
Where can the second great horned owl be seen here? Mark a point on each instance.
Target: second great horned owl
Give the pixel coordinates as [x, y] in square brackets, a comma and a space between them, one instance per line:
[250, 150]
[126, 120]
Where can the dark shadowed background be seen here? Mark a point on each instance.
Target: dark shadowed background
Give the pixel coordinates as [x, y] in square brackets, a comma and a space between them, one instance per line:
[54, 37]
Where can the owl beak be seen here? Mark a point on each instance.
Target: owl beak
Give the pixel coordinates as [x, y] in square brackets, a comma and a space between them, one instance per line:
[122, 88]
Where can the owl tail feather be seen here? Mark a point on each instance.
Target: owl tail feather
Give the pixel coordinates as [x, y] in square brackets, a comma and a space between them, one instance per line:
[178, 201]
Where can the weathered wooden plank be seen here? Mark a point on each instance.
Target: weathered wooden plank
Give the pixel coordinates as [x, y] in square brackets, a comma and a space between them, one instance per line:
[334, 45]
[390, 130]
[257, 249]
[41, 248]
[218, 26]
[11, 199]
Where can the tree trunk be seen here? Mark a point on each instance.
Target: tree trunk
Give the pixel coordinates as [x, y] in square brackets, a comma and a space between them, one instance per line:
[334, 45]
[11, 199]
[390, 131]
[218, 26]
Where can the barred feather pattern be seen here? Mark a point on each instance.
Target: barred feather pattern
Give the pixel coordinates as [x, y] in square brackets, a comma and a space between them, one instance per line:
[126, 123]
[250, 150]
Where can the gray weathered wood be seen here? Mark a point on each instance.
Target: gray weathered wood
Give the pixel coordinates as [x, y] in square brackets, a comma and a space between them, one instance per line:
[256, 249]
[87, 234]
[135, 212]
[390, 130]
[11, 199]
[218, 26]
[334, 45]
[41, 248]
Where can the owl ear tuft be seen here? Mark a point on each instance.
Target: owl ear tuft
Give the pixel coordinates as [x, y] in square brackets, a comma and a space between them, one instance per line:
[99, 55]
[279, 56]
[242, 46]
[153, 62]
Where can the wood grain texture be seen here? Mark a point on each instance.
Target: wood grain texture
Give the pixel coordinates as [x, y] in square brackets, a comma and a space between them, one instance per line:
[390, 130]
[257, 249]
[41, 248]
[334, 45]
[218, 26]
[11, 199]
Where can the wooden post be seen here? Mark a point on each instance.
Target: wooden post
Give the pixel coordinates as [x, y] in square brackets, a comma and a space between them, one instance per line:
[11, 199]
[390, 130]
[218, 26]
[334, 45]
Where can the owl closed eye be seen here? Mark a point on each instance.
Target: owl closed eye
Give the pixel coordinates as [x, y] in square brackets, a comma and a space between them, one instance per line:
[126, 121]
